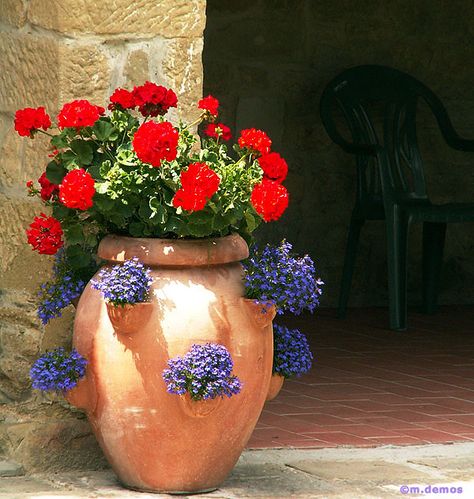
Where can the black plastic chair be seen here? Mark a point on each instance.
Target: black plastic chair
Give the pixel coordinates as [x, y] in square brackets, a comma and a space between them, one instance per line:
[390, 178]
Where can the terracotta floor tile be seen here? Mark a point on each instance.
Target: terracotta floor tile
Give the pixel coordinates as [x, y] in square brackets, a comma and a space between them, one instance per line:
[413, 416]
[341, 438]
[404, 440]
[451, 427]
[372, 386]
[362, 430]
[467, 419]
[433, 436]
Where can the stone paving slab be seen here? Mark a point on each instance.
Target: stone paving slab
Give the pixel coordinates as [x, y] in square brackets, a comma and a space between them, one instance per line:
[345, 473]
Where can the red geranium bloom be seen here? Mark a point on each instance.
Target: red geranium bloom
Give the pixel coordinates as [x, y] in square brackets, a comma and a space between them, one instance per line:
[210, 104]
[47, 188]
[218, 130]
[270, 199]
[154, 142]
[29, 120]
[153, 99]
[45, 235]
[256, 140]
[79, 113]
[199, 183]
[199, 176]
[122, 99]
[77, 190]
[274, 166]
[191, 200]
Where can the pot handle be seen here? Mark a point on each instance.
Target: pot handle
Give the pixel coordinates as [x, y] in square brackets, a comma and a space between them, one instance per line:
[261, 314]
[83, 395]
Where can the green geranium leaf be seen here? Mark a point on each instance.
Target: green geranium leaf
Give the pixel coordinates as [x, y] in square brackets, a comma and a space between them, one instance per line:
[174, 224]
[77, 256]
[60, 212]
[84, 151]
[55, 172]
[136, 229]
[159, 211]
[103, 203]
[69, 158]
[101, 187]
[104, 131]
[252, 222]
[94, 170]
[199, 230]
[58, 142]
[74, 234]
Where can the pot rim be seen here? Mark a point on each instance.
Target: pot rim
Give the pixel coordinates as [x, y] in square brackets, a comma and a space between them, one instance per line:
[174, 252]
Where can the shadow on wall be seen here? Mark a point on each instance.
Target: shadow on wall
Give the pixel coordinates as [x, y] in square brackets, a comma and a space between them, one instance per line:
[268, 62]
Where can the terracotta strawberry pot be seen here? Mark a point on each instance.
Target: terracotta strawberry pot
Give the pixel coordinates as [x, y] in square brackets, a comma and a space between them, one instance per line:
[276, 384]
[157, 441]
[127, 318]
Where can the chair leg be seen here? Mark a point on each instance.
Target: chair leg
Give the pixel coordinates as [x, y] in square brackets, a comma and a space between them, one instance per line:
[397, 240]
[434, 235]
[349, 263]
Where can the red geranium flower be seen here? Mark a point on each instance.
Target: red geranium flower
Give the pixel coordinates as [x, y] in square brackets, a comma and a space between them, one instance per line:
[29, 120]
[189, 200]
[209, 104]
[79, 113]
[274, 166]
[218, 130]
[199, 176]
[47, 188]
[199, 183]
[256, 140]
[121, 99]
[154, 100]
[45, 235]
[77, 190]
[270, 199]
[154, 142]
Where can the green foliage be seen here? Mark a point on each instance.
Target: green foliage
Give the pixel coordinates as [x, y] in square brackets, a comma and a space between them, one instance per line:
[136, 199]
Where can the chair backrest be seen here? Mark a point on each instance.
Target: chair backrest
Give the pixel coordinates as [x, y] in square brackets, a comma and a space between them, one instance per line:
[379, 106]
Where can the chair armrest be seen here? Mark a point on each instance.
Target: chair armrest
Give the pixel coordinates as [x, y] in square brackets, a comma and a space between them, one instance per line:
[349, 147]
[452, 138]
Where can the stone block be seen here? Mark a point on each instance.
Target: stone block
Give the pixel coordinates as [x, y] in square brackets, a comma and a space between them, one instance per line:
[137, 69]
[17, 214]
[21, 158]
[29, 71]
[54, 445]
[84, 73]
[13, 12]
[10, 468]
[182, 67]
[122, 18]
[41, 71]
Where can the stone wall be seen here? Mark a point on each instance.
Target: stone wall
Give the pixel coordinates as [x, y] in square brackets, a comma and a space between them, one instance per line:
[52, 52]
[268, 62]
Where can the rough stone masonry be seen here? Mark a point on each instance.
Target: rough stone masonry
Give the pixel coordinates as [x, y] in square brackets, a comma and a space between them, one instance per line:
[52, 52]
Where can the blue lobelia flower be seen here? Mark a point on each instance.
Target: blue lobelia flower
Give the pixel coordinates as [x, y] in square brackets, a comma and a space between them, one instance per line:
[58, 293]
[291, 353]
[275, 275]
[58, 371]
[205, 372]
[126, 283]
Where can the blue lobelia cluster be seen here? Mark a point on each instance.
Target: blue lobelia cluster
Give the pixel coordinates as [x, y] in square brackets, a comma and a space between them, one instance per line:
[205, 372]
[275, 275]
[58, 371]
[291, 353]
[58, 293]
[126, 283]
